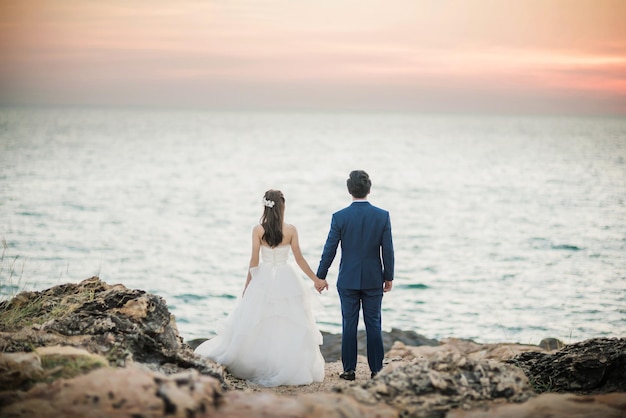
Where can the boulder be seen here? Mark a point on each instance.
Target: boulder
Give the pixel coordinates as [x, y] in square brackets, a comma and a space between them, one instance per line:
[137, 392]
[99, 350]
[19, 370]
[597, 365]
[46, 364]
[122, 325]
[425, 387]
[331, 349]
[467, 348]
[132, 391]
[552, 405]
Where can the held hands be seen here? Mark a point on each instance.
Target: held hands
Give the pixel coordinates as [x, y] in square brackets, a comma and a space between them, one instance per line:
[320, 284]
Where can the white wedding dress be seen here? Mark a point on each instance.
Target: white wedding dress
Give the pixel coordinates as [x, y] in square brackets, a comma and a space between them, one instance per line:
[271, 337]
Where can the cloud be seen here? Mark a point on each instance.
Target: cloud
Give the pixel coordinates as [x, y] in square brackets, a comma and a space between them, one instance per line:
[245, 53]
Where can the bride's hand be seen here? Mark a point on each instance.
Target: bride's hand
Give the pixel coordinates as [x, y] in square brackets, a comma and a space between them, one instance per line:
[320, 285]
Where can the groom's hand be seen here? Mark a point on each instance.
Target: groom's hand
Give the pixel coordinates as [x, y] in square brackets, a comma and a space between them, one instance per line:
[387, 285]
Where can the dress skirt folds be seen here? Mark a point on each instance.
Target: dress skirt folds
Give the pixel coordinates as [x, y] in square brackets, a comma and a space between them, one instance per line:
[271, 337]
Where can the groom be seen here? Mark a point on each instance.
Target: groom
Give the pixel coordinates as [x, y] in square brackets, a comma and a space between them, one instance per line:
[365, 271]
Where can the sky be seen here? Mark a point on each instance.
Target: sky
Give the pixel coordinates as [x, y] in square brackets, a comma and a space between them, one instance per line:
[498, 56]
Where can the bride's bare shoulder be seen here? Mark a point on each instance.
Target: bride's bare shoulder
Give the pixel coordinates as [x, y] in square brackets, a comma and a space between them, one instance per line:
[289, 231]
[258, 230]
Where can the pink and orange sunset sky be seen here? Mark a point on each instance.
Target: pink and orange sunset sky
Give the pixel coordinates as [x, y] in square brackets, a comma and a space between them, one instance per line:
[497, 56]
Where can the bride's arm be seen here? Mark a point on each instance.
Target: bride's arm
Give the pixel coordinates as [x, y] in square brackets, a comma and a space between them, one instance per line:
[254, 256]
[302, 263]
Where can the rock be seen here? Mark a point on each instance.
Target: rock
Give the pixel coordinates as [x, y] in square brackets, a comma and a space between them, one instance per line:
[592, 366]
[136, 392]
[46, 364]
[551, 344]
[425, 387]
[331, 349]
[120, 324]
[193, 344]
[92, 349]
[268, 405]
[121, 392]
[463, 348]
[18, 370]
[551, 405]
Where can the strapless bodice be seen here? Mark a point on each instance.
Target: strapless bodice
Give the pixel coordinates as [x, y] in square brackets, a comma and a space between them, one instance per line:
[276, 255]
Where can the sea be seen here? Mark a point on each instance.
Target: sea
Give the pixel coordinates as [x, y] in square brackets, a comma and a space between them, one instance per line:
[506, 228]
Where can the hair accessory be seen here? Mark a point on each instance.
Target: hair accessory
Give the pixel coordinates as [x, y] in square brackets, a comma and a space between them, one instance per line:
[268, 203]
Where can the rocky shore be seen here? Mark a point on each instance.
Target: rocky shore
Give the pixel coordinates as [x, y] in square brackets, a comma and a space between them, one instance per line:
[99, 350]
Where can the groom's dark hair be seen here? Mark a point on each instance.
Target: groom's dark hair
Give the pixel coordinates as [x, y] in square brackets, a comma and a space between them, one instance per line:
[359, 184]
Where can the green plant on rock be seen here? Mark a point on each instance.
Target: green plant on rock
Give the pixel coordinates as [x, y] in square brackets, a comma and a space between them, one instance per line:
[56, 367]
[540, 386]
[21, 311]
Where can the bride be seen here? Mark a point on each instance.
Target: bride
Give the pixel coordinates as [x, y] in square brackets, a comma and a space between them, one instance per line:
[271, 337]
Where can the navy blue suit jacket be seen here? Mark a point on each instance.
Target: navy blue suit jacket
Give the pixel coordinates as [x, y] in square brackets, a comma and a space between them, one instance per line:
[367, 257]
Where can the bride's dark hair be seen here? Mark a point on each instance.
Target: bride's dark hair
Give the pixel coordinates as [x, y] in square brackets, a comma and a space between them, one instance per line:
[272, 218]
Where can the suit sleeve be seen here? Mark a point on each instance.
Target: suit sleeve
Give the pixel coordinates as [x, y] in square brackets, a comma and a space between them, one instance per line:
[330, 248]
[387, 251]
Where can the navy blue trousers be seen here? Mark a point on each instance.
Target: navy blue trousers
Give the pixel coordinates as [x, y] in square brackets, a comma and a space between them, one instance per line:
[352, 300]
